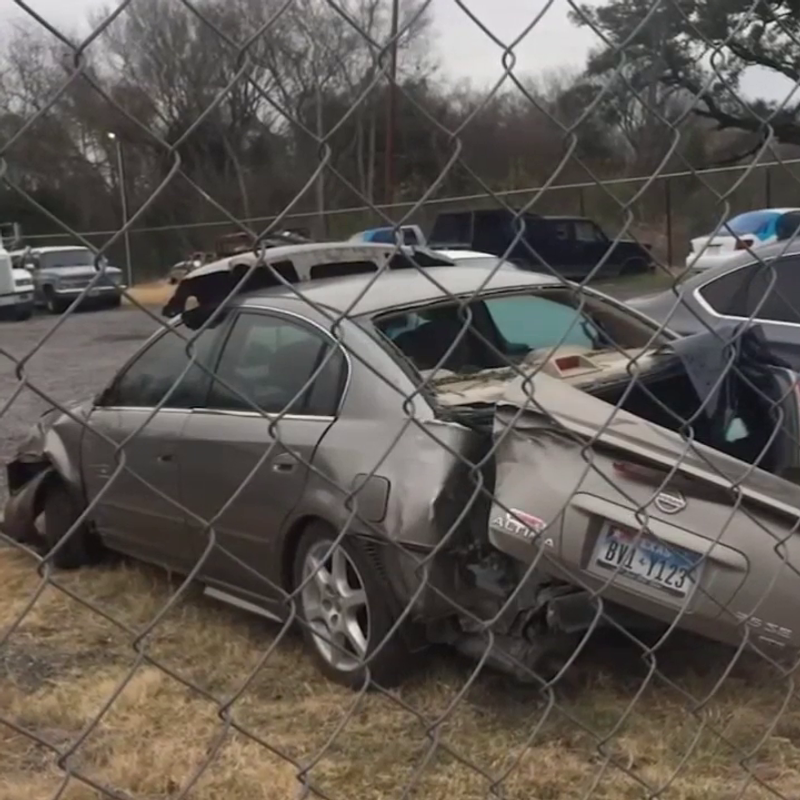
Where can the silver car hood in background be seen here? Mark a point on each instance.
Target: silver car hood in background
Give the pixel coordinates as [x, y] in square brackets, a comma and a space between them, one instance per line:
[541, 402]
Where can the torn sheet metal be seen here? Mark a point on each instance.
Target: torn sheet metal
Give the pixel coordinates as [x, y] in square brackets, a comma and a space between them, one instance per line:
[542, 402]
[710, 358]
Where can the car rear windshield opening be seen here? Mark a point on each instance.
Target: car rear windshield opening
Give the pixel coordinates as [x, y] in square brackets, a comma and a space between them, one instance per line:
[503, 330]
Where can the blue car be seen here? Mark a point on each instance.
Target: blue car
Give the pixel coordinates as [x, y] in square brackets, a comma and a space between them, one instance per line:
[747, 231]
[412, 235]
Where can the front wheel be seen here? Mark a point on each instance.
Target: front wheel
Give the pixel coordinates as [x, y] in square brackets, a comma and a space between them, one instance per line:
[60, 514]
[344, 613]
[52, 302]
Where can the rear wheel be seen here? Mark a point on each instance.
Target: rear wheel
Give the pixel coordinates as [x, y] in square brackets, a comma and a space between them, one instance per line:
[634, 266]
[344, 612]
[60, 513]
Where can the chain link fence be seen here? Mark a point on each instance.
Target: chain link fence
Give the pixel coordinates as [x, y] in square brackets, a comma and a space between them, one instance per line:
[511, 538]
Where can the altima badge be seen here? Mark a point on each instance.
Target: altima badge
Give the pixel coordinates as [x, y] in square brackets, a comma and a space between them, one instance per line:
[670, 502]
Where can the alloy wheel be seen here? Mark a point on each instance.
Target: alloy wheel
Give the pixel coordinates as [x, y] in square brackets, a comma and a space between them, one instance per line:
[335, 606]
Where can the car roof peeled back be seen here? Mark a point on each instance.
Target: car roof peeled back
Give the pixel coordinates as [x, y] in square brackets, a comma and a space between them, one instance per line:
[246, 273]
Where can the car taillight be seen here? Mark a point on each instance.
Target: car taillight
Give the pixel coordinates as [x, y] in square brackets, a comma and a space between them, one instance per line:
[743, 244]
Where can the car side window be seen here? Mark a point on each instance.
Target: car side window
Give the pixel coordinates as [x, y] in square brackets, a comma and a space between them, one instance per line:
[149, 378]
[768, 292]
[586, 231]
[280, 366]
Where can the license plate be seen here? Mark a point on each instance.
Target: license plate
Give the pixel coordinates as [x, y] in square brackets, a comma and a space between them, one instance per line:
[643, 559]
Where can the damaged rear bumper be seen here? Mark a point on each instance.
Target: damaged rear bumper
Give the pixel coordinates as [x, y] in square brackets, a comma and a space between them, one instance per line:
[682, 558]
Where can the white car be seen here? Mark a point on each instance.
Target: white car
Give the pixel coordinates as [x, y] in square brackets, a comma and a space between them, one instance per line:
[750, 230]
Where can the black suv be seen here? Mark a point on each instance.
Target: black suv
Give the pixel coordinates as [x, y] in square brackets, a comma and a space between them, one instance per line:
[572, 246]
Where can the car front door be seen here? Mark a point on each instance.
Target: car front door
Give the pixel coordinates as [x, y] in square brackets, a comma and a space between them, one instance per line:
[769, 294]
[244, 459]
[129, 452]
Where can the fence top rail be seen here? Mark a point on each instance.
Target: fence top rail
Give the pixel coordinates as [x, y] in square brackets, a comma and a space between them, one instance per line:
[439, 201]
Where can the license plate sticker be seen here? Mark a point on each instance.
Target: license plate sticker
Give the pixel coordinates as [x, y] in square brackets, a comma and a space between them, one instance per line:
[641, 558]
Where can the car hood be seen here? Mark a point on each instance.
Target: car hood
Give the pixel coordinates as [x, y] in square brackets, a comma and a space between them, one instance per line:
[86, 271]
[533, 405]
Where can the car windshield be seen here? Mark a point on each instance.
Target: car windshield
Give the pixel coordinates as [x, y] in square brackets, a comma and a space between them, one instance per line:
[751, 222]
[66, 258]
[499, 330]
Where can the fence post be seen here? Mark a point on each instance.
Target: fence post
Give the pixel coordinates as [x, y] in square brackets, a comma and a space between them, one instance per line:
[668, 210]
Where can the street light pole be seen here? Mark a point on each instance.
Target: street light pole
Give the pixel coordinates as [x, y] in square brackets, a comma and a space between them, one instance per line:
[124, 201]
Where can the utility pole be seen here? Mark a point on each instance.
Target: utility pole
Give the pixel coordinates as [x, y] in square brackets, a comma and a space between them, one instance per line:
[124, 201]
[391, 111]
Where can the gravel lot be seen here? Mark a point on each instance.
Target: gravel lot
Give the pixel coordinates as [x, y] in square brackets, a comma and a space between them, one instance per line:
[76, 361]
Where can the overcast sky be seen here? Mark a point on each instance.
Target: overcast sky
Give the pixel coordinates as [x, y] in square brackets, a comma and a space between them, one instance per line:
[465, 50]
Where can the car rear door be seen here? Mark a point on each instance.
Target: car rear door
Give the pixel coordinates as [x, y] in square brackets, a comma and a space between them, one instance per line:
[244, 459]
[129, 452]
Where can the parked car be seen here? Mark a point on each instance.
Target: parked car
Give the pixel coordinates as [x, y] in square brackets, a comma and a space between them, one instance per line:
[232, 244]
[410, 235]
[751, 230]
[371, 448]
[764, 288]
[569, 246]
[16, 289]
[61, 274]
[300, 263]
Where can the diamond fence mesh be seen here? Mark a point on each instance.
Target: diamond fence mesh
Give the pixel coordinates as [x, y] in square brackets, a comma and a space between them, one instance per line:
[513, 538]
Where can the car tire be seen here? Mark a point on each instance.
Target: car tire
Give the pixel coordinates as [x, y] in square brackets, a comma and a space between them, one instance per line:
[633, 266]
[323, 609]
[23, 316]
[52, 303]
[60, 513]
[115, 302]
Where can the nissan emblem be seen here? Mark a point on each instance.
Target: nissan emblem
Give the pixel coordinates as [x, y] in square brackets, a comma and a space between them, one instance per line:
[670, 502]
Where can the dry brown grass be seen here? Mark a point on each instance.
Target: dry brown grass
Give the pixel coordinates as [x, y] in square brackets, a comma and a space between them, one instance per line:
[64, 662]
[156, 293]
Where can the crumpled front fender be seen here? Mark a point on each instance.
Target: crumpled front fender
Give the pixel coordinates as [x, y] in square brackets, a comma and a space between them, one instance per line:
[22, 508]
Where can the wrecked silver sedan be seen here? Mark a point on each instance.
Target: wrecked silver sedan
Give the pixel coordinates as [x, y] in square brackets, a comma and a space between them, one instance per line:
[433, 456]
